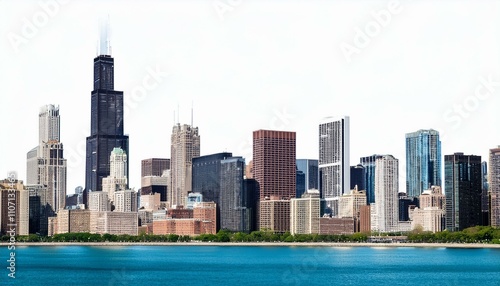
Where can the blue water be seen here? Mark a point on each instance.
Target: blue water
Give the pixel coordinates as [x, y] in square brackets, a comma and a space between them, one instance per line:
[250, 265]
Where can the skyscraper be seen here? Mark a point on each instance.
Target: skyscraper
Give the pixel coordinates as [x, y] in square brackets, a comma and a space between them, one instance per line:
[334, 160]
[274, 163]
[185, 145]
[462, 182]
[300, 183]
[358, 177]
[485, 196]
[310, 169]
[386, 194]
[369, 164]
[494, 186]
[46, 166]
[52, 172]
[49, 124]
[106, 119]
[423, 161]
[206, 178]
[236, 204]
[274, 169]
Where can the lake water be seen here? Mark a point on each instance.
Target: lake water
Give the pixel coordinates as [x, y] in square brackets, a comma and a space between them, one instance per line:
[250, 265]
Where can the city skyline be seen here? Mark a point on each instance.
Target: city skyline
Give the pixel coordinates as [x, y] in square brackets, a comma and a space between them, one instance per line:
[284, 77]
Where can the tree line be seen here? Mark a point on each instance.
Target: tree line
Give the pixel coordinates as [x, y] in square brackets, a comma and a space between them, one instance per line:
[478, 234]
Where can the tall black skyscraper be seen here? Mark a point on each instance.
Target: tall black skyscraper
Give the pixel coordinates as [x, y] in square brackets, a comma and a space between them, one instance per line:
[106, 120]
[463, 189]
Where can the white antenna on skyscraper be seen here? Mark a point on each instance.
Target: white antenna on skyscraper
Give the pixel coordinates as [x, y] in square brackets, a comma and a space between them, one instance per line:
[192, 113]
[104, 46]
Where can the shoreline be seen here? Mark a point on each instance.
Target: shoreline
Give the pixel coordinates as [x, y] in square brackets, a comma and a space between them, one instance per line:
[257, 244]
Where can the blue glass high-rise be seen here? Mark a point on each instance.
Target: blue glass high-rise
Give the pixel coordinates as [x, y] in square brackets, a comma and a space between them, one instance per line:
[423, 161]
[309, 167]
[369, 164]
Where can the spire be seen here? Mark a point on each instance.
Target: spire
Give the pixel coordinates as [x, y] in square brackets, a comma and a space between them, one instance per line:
[104, 44]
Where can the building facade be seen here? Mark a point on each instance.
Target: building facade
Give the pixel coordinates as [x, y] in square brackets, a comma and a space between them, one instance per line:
[386, 194]
[117, 179]
[106, 123]
[423, 161]
[185, 145]
[46, 165]
[275, 214]
[494, 186]
[99, 201]
[154, 166]
[350, 204]
[155, 177]
[358, 177]
[14, 207]
[431, 214]
[305, 214]
[463, 191]
[369, 164]
[236, 205]
[334, 168]
[274, 169]
[310, 169]
[125, 201]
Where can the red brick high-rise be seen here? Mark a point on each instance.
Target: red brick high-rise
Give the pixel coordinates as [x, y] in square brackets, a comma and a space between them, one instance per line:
[274, 164]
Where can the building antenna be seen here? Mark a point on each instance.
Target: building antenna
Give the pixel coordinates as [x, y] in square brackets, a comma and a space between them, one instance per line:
[178, 111]
[192, 113]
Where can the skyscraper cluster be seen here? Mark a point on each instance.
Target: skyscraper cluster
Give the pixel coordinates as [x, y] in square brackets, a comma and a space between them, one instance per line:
[191, 193]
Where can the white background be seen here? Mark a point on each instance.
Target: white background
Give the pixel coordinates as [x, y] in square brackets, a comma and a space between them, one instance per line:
[248, 65]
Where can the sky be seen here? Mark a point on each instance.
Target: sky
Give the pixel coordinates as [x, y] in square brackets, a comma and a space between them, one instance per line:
[393, 67]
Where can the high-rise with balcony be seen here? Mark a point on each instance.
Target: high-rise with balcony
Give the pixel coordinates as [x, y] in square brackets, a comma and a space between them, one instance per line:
[274, 169]
[185, 145]
[334, 168]
[423, 161]
[106, 119]
[463, 188]
[494, 186]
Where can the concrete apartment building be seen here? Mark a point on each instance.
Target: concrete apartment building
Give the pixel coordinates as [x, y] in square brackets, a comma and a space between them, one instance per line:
[305, 213]
[14, 207]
